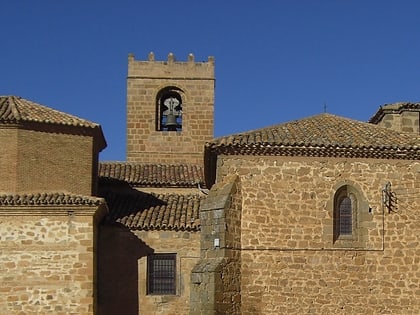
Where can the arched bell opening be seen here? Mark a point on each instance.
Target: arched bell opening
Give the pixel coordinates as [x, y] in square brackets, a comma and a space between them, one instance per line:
[169, 109]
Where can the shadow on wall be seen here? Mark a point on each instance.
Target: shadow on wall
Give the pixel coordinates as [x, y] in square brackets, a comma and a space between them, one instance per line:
[119, 251]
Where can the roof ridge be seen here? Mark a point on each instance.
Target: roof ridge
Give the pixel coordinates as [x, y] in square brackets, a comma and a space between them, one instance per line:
[16, 108]
[8, 108]
[317, 133]
[273, 126]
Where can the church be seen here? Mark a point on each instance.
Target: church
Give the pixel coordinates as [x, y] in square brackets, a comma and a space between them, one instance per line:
[314, 216]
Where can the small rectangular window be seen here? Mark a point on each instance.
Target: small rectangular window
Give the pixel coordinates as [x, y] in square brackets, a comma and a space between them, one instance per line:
[161, 274]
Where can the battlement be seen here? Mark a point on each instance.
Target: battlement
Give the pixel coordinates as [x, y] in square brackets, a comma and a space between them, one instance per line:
[171, 68]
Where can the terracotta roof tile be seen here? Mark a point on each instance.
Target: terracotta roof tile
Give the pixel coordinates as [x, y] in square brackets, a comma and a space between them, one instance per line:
[143, 211]
[48, 199]
[160, 175]
[395, 108]
[321, 135]
[16, 109]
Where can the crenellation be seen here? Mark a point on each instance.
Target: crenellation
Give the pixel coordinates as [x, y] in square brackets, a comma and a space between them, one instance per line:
[172, 69]
[171, 58]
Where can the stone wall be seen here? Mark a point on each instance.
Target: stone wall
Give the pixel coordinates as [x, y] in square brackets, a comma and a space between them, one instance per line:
[406, 121]
[195, 81]
[216, 279]
[47, 261]
[289, 260]
[123, 270]
[186, 246]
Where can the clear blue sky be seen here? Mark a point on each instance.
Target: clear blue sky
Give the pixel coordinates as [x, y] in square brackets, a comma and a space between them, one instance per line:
[276, 60]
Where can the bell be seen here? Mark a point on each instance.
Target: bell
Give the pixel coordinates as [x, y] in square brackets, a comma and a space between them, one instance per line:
[171, 120]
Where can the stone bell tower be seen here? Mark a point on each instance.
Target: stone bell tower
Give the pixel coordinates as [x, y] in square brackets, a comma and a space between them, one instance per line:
[170, 109]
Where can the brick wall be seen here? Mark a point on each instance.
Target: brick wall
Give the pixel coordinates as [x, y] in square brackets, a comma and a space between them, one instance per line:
[47, 261]
[195, 81]
[35, 161]
[289, 261]
[51, 162]
[8, 158]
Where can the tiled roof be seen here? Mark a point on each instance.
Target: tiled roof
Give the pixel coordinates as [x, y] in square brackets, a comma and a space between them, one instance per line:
[16, 109]
[395, 108]
[142, 211]
[47, 199]
[160, 175]
[321, 135]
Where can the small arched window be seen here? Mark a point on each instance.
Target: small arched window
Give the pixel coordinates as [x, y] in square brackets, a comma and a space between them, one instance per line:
[345, 213]
[169, 110]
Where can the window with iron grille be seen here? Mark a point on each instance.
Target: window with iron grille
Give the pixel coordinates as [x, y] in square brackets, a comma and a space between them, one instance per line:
[161, 274]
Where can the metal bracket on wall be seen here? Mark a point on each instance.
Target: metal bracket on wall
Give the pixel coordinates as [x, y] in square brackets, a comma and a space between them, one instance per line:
[389, 198]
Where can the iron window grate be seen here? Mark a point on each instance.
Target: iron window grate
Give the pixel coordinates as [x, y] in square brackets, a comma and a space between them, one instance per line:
[161, 274]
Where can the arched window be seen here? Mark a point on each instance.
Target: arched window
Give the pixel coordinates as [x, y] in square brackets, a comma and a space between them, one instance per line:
[169, 110]
[345, 213]
[350, 218]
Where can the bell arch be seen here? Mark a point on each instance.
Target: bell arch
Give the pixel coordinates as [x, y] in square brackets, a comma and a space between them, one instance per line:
[169, 108]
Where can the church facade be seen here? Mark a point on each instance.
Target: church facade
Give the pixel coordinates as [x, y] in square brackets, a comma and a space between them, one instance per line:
[318, 215]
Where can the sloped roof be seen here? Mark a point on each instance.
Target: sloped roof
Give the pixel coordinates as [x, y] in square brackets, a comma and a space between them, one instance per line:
[156, 175]
[320, 135]
[395, 108]
[148, 211]
[48, 199]
[323, 135]
[16, 109]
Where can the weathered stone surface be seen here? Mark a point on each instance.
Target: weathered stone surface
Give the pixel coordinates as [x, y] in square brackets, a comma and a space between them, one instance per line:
[290, 263]
[216, 277]
[48, 262]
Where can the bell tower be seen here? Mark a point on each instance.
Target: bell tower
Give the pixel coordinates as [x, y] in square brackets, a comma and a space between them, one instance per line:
[170, 109]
